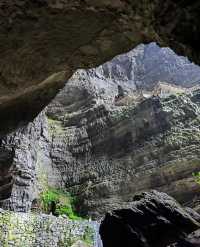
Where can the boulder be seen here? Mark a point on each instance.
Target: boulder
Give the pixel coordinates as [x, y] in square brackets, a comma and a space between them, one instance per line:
[154, 220]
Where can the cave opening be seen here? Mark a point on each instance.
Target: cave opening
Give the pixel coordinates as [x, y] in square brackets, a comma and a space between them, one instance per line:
[107, 132]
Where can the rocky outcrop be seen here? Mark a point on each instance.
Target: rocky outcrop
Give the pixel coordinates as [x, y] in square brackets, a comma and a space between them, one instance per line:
[154, 219]
[40, 38]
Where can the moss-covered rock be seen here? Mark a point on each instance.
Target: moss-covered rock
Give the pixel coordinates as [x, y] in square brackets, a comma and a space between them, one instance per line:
[31, 230]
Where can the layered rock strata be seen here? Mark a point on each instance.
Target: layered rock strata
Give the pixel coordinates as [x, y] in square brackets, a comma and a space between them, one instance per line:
[106, 153]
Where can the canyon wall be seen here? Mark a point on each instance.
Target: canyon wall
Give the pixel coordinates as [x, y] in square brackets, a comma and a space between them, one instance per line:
[102, 147]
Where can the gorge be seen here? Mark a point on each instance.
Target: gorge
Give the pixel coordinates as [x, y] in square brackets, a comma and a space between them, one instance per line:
[110, 133]
[81, 142]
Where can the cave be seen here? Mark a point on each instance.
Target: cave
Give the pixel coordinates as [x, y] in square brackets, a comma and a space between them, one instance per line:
[36, 62]
[101, 99]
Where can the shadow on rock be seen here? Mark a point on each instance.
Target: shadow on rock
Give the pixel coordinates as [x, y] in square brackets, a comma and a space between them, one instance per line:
[153, 220]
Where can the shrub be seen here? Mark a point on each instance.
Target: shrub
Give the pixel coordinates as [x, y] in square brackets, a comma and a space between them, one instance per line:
[59, 203]
[197, 177]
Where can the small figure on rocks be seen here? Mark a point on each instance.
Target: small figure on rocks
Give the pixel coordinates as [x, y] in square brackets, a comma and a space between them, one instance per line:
[121, 93]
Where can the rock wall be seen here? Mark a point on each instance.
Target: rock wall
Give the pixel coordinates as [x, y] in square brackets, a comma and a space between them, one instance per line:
[32, 230]
[20, 150]
[106, 154]
[143, 67]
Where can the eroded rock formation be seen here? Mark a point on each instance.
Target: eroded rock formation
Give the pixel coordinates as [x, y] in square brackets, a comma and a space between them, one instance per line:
[153, 219]
[42, 37]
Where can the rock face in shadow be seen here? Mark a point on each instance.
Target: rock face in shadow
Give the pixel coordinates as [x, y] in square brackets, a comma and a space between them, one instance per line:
[153, 220]
[19, 155]
[106, 153]
[192, 240]
[6, 176]
[43, 37]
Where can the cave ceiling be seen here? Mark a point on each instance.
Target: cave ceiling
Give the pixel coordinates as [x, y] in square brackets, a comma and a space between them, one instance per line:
[42, 42]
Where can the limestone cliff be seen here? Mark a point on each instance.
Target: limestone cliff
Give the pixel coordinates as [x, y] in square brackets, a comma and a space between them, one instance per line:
[104, 147]
[107, 153]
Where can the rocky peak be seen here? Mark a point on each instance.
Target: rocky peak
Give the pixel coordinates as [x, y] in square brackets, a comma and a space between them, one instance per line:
[144, 67]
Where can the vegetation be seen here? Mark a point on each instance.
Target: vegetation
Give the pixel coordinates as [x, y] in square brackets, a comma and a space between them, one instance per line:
[197, 177]
[25, 231]
[58, 202]
[55, 126]
[55, 201]
[122, 113]
[88, 236]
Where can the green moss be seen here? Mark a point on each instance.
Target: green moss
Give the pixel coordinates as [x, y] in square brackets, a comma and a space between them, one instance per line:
[63, 202]
[11, 224]
[88, 236]
[197, 177]
[55, 126]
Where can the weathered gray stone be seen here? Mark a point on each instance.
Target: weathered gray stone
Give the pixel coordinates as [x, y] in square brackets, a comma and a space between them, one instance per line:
[32, 230]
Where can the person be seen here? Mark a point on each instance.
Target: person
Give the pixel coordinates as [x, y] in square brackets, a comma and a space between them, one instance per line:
[120, 91]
